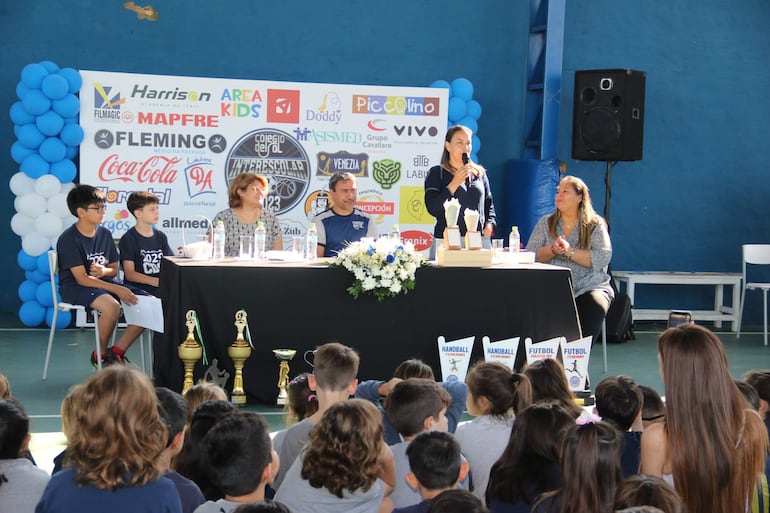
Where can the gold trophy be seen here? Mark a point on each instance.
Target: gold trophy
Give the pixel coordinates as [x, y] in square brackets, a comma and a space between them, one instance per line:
[239, 351]
[190, 351]
[284, 355]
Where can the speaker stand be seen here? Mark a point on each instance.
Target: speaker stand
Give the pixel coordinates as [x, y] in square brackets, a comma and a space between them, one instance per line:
[608, 192]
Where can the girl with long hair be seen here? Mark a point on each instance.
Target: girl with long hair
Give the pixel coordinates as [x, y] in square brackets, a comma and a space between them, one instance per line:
[549, 383]
[712, 447]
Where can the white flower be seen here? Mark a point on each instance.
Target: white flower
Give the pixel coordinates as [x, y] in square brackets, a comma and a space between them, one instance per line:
[368, 283]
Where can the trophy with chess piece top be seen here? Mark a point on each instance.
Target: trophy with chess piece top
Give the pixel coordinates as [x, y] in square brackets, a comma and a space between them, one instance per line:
[190, 351]
[239, 351]
[284, 356]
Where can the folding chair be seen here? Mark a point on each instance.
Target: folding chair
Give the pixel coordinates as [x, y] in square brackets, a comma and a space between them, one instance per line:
[754, 254]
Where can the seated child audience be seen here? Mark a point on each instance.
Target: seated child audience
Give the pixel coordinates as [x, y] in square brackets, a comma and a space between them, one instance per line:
[88, 271]
[760, 380]
[21, 482]
[143, 246]
[644, 490]
[619, 403]
[199, 393]
[267, 506]
[549, 383]
[189, 461]
[240, 460]
[333, 380]
[111, 462]
[436, 465]
[457, 501]
[376, 392]
[301, 404]
[590, 469]
[69, 406]
[653, 411]
[415, 405]
[173, 411]
[5, 388]
[495, 397]
[342, 464]
[529, 465]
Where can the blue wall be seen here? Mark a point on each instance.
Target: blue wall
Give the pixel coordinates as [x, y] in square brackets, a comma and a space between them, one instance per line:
[696, 196]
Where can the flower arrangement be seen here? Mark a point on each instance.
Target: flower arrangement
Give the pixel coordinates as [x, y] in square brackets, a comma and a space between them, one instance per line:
[383, 268]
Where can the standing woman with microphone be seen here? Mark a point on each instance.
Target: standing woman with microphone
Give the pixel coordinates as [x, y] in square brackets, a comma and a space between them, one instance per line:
[458, 177]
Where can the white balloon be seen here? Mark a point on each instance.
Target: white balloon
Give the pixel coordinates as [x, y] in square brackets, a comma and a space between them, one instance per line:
[57, 204]
[47, 186]
[21, 184]
[54, 241]
[66, 187]
[30, 204]
[35, 244]
[22, 225]
[48, 225]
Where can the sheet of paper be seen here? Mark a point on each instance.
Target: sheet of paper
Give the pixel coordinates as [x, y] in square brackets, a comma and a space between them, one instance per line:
[147, 313]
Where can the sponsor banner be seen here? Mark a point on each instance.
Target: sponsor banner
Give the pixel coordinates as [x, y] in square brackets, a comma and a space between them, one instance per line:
[542, 350]
[575, 356]
[455, 356]
[185, 138]
[501, 351]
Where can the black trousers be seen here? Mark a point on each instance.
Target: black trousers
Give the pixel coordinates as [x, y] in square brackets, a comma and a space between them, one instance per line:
[592, 308]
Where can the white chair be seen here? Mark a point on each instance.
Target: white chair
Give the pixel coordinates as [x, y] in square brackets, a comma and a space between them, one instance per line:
[754, 254]
[59, 306]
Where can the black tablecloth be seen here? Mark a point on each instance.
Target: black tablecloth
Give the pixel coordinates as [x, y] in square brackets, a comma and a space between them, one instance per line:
[301, 307]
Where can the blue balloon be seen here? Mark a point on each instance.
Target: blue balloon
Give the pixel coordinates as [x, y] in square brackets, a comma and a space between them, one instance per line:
[457, 109]
[28, 276]
[27, 290]
[50, 123]
[19, 152]
[71, 135]
[42, 263]
[476, 143]
[55, 87]
[50, 66]
[17, 130]
[43, 294]
[63, 320]
[39, 277]
[35, 102]
[25, 261]
[19, 115]
[21, 90]
[73, 78]
[72, 152]
[65, 170]
[462, 88]
[474, 157]
[33, 74]
[73, 120]
[53, 150]
[470, 123]
[474, 109]
[30, 136]
[32, 314]
[441, 84]
[35, 166]
[67, 107]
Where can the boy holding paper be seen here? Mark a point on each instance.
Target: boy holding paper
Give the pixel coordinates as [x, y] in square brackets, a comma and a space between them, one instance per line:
[88, 270]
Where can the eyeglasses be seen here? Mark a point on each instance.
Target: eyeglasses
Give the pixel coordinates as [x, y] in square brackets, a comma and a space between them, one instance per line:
[102, 208]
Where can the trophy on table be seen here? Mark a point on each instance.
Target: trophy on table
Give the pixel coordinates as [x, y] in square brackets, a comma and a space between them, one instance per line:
[452, 239]
[190, 351]
[239, 351]
[472, 235]
[283, 355]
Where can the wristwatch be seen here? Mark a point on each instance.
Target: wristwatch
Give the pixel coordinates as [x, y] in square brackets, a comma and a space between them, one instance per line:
[571, 253]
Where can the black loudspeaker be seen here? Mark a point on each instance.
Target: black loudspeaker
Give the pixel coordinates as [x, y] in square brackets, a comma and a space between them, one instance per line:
[608, 118]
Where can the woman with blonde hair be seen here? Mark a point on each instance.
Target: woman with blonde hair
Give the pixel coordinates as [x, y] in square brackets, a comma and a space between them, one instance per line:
[113, 446]
[575, 236]
[712, 447]
[246, 195]
[341, 468]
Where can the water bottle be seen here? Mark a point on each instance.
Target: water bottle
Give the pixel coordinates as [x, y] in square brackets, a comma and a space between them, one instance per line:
[311, 242]
[219, 241]
[260, 235]
[514, 240]
[396, 233]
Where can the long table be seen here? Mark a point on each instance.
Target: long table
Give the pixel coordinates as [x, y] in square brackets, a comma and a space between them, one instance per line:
[303, 306]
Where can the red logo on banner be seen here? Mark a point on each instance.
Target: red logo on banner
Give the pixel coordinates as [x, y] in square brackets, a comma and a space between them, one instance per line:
[282, 106]
[421, 240]
[156, 169]
[377, 208]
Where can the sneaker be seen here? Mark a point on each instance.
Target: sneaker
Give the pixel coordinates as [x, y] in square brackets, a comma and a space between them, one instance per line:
[93, 360]
[113, 357]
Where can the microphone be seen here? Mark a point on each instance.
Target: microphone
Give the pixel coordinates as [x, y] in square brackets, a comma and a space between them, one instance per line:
[465, 162]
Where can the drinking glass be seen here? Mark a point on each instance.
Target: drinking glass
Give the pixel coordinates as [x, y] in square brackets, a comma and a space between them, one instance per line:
[247, 247]
[497, 250]
[298, 247]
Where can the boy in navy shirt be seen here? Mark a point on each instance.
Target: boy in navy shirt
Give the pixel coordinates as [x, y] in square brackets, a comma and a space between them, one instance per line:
[88, 270]
[143, 247]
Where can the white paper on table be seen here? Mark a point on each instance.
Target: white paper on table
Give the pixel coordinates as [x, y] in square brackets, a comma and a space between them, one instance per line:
[147, 313]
